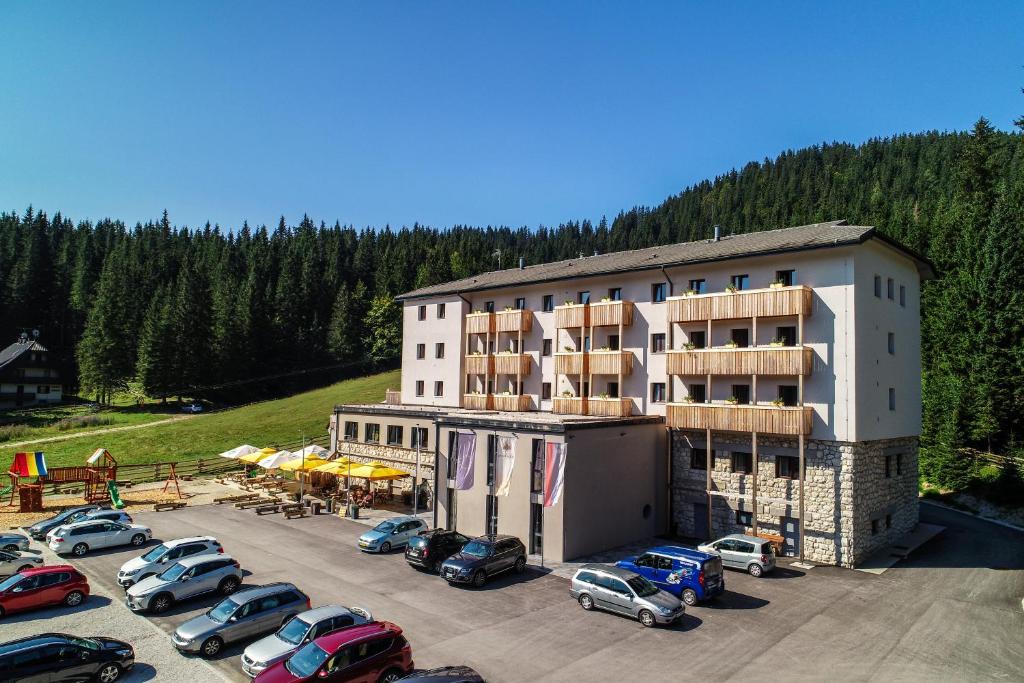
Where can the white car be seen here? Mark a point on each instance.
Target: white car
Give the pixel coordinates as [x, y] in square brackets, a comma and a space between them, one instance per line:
[163, 556]
[192, 408]
[13, 561]
[81, 537]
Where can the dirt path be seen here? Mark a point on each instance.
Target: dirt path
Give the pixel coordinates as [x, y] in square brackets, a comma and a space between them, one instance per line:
[65, 437]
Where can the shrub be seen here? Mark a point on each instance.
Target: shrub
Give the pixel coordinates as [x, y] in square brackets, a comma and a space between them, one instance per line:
[11, 432]
[79, 421]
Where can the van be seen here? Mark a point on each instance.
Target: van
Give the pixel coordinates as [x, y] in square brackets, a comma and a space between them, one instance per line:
[691, 575]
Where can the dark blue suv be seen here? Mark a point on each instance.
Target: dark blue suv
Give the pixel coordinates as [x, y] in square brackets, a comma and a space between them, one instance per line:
[690, 575]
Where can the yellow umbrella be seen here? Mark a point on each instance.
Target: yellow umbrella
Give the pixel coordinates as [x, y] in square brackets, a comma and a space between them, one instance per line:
[299, 465]
[253, 458]
[376, 471]
[339, 466]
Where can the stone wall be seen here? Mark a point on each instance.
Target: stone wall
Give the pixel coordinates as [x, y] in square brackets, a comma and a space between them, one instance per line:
[401, 458]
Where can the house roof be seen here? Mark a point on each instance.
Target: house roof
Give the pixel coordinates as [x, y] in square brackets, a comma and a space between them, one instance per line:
[801, 238]
[14, 351]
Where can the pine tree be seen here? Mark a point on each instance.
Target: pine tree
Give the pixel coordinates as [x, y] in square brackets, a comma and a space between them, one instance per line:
[383, 324]
[155, 368]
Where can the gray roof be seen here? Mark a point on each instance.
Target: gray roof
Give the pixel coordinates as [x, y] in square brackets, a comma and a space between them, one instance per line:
[12, 352]
[801, 238]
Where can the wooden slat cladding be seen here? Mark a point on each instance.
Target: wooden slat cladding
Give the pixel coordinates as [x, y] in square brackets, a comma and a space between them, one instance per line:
[392, 397]
[611, 313]
[610, 407]
[571, 363]
[513, 321]
[512, 363]
[480, 365]
[479, 323]
[513, 403]
[478, 401]
[610, 362]
[727, 306]
[576, 315]
[729, 418]
[789, 360]
[574, 405]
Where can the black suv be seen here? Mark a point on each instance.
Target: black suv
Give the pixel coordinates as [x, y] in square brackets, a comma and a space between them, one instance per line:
[484, 557]
[60, 657]
[39, 530]
[428, 549]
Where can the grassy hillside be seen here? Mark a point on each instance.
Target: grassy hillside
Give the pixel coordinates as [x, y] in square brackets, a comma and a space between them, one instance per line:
[272, 422]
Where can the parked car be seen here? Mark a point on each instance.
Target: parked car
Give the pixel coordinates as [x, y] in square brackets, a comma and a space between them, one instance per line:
[753, 555]
[42, 587]
[484, 557]
[100, 515]
[376, 651]
[446, 674]
[11, 541]
[614, 589]
[246, 614]
[391, 533]
[428, 549]
[81, 537]
[60, 657]
[13, 561]
[165, 554]
[187, 578]
[689, 574]
[39, 530]
[192, 408]
[302, 629]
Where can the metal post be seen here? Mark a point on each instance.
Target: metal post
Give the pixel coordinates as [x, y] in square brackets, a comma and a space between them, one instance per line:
[753, 513]
[800, 442]
[709, 464]
[302, 470]
[416, 476]
[543, 483]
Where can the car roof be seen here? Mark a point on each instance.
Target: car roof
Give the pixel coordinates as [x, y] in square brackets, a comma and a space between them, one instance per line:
[48, 569]
[261, 591]
[494, 538]
[84, 522]
[174, 542]
[619, 572]
[681, 553]
[332, 641]
[744, 537]
[402, 518]
[32, 641]
[11, 534]
[193, 560]
[324, 612]
[104, 511]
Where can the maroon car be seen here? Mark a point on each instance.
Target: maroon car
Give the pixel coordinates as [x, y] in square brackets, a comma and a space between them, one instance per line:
[60, 584]
[370, 653]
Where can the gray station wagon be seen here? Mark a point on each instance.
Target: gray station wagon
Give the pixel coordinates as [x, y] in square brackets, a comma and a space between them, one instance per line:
[739, 551]
[246, 614]
[613, 589]
[187, 578]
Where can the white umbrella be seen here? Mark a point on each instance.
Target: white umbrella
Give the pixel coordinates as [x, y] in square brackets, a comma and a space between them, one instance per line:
[312, 451]
[238, 452]
[277, 459]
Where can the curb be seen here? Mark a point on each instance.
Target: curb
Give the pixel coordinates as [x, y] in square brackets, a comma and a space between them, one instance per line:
[974, 515]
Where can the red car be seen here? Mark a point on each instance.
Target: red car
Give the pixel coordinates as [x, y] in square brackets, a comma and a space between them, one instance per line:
[60, 584]
[369, 653]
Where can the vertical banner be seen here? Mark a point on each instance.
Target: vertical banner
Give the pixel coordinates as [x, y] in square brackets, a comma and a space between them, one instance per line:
[554, 473]
[466, 456]
[506, 460]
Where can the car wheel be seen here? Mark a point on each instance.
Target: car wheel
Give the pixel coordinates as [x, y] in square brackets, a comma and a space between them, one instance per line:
[2, 613]
[10, 547]
[109, 673]
[211, 646]
[74, 598]
[755, 570]
[385, 547]
[138, 539]
[480, 578]
[389, 676]
[161, 603]
[586, 602]
[689, 597]
[80, 549]
[520, 565]
[646, 618]
[228, 586]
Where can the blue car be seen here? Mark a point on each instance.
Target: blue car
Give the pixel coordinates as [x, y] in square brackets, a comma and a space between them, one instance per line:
[691, 575]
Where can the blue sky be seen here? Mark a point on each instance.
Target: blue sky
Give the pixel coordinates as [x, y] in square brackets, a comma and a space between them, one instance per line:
[463, 113]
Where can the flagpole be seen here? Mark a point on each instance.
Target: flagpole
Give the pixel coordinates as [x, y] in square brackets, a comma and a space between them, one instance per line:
[302, 470]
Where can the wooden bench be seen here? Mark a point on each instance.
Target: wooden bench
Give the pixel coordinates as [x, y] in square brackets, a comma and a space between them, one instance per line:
[256, 502]
[776, 540]
[160, 507]
[294, 513]
[268, 508]
[235, 499]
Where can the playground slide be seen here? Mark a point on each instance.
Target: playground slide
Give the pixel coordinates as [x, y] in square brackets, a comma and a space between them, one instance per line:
[115, 495]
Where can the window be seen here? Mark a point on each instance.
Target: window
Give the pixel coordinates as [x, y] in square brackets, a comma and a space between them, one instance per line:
[888, 521]
[613, 342]
[489, 307]
[586, 389]
[548, 303]
[740, 282]
[699, 286]
[698, 338]
[659, 291]
[492, 457]
[537, 466]
[699, 458]
[787, 467]
[740, 336]
[439, 350]
[899, 463]
[438, 388]
[789, 395]
[878, 286]
[888, 466]
[422, 313]
[741, 392]
[742, 463]
[786, 335]
[698, 393]
[440, 311]
[583, 297]
[545, 391]
[492, 514]
[351, 431]
[903, 295]
[890, 289]
[786, 277]
[892, 398]
[657, 392]
[658, 342]
[892, 343]
[371, 432]
[419, 387]
[546, 347]
[874, 527]
[520, 303]
[743, 518]
[419, 437]
[44, 389]
[615, 293]
[613, 389]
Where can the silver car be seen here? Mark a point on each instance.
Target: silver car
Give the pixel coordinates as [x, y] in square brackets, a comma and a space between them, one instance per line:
[13, 561]
[9, 541]
[163, 556]
[739, 551]
[391, 533]
[301, 630]
[246, 614]
[187, 578]
[81, 537]
[613, 589]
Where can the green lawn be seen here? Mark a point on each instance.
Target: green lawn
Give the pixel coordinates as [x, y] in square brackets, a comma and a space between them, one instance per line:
[68, 419]
[272, 422]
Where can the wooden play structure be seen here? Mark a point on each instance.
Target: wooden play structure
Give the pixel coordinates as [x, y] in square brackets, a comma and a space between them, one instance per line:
[100, 468]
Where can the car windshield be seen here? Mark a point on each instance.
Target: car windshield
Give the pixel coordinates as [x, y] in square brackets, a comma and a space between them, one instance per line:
[222, 611]
[294, 631]
[306, 661]
[173, 572]
[10, 581]
[417, 541]
[75, 516]
[477, 549]
[385, 526]
[642, 586]
[155, 553]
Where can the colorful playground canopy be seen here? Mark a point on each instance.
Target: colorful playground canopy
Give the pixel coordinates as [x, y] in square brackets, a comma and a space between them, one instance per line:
[239, 451]
[277, 459]
[377, 471]
[306, 465]
[99, 453]
[29, 464]
[256, 456]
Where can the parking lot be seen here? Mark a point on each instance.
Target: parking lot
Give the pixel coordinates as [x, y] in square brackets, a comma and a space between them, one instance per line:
[952, 611]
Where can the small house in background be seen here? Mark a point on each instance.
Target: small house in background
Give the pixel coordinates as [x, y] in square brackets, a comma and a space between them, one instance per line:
[28, 375]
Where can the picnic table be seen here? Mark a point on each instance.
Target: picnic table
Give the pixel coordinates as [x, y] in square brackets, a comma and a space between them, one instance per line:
[255, 502]
[235, 499]
[173, 505]
[294, 512]
[268, 508]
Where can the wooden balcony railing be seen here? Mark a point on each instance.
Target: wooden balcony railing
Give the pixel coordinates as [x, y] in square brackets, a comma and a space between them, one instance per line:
[610, 362]
[392, 397]
[611, 313]
[610, 407]
[480, 364]
[766, 419]
[478, 401]
[572, 315]
[512, 363]
[569, 405]
[513, 321]
[783, 360]
[571, 363]
[744, 304]
[513, 403]
[479, 323]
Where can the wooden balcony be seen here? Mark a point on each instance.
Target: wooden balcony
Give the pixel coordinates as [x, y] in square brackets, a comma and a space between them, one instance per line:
[479, 323]
[571, 363]
[782, 360]
[513, 321]
[764, 419]
[611, 313]
[392, 397]
[762, 303]
[569, 405]
[481, 364]
[478, 401]
[610, 362]
[572, 315]
[513, 403]
[512, 363]
[610, 407]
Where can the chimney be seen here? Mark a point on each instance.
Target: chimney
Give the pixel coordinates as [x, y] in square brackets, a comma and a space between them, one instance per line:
[522, 263]
[718, 233]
